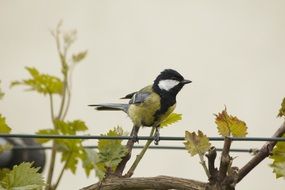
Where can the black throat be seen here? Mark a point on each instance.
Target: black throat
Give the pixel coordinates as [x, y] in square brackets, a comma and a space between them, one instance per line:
[167, 99]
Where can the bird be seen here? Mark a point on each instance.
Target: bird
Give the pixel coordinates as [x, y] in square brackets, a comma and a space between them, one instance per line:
[152, 104]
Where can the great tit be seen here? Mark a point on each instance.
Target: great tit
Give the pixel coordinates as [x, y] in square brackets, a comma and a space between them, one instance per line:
[152, 104]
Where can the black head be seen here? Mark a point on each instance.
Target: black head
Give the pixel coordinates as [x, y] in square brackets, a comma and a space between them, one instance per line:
[169, 81]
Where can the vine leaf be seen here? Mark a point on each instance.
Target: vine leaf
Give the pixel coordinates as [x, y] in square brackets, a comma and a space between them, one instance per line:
[76, 58]
[4, 128]
[42, 83]
[278, 157]
[282, 109]
[88, 159]
[196, 143]
[110, 153]
[230, 125]
[22, 176]
[71, 150]
[172, 118]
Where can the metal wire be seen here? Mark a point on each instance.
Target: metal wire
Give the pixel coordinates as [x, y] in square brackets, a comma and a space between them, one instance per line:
[163, 138]
[35, 147]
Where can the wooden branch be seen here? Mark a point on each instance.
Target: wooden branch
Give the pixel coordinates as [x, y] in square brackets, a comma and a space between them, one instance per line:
[264, 152]
[211, 155]
[142, 183]
[130, 144]
[140, 155]
[225, 159]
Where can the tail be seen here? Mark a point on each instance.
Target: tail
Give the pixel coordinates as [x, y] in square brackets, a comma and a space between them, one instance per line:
[110, 107]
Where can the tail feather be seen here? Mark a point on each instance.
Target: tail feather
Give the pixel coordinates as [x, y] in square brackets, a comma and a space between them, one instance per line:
[110, 107]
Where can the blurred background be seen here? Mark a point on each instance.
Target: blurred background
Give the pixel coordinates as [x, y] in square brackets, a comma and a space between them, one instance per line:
[233, 51]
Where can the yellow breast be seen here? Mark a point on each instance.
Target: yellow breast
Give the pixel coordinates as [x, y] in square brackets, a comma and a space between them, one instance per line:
[143, 114]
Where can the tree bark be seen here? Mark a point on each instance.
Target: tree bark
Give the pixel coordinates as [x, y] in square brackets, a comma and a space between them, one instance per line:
[143, 183]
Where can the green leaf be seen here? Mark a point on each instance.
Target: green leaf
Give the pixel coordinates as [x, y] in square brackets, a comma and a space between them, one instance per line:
[196, 143]
[282, 109]
[110, 153]
[45, 132]
[230, 125]
[76, 58]
[70, 127]
[89, 160]
[4, 128]
[69, 38]
[278, 158]
[172, 118]
[24, 177]
[3, 173]
[71, 149]
[42, 83]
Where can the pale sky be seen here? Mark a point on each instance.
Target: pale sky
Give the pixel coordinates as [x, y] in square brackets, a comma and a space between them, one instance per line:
[233, 51]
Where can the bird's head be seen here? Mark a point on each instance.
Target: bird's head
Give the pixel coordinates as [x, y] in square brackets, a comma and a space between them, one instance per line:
[169, 81]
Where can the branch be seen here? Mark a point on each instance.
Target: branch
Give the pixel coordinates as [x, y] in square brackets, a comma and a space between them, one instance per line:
[140, 155]
[142, 183]
[225, 158]
[261, 155]
[130, 144]
[212, 154]
[203, 163]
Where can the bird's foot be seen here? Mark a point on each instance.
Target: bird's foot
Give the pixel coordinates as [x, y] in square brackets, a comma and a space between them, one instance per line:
[156, 136]
[135, 138]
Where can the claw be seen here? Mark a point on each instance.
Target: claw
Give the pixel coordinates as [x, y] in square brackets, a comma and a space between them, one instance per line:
[156, 136]
[135, 138]
[134, 134]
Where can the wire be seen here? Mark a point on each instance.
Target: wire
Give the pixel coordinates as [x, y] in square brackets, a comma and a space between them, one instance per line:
[163, 138]
[35, 147]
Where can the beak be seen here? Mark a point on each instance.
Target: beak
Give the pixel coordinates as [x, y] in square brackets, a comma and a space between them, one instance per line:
[185, 81]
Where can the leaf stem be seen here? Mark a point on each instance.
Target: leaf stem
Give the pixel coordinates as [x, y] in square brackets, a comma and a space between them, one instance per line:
[203, 163]
[51, 107]
[140, 156]
[63, 99]
[68, 94]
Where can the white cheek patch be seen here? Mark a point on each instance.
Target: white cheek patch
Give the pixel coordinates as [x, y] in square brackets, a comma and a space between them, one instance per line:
[167, 84]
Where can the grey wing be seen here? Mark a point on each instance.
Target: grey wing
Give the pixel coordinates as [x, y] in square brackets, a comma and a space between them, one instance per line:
[139, 97]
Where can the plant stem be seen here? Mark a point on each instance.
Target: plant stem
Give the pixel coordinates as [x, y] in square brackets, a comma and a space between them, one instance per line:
[140, 156]
[51, 106]
[62, 171]
[203, 163]
[68, 94]
[51, 166]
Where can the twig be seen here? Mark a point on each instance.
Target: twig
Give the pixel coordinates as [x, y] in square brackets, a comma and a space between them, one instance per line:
[140, 156]
[51, 106]
[203, 163]
[51, 166]
[212, 154]
[225, 159]
[130, 144]
[261, 155]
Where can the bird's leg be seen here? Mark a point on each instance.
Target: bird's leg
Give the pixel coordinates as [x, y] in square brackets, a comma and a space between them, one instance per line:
[156, 135]
[134, 134]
